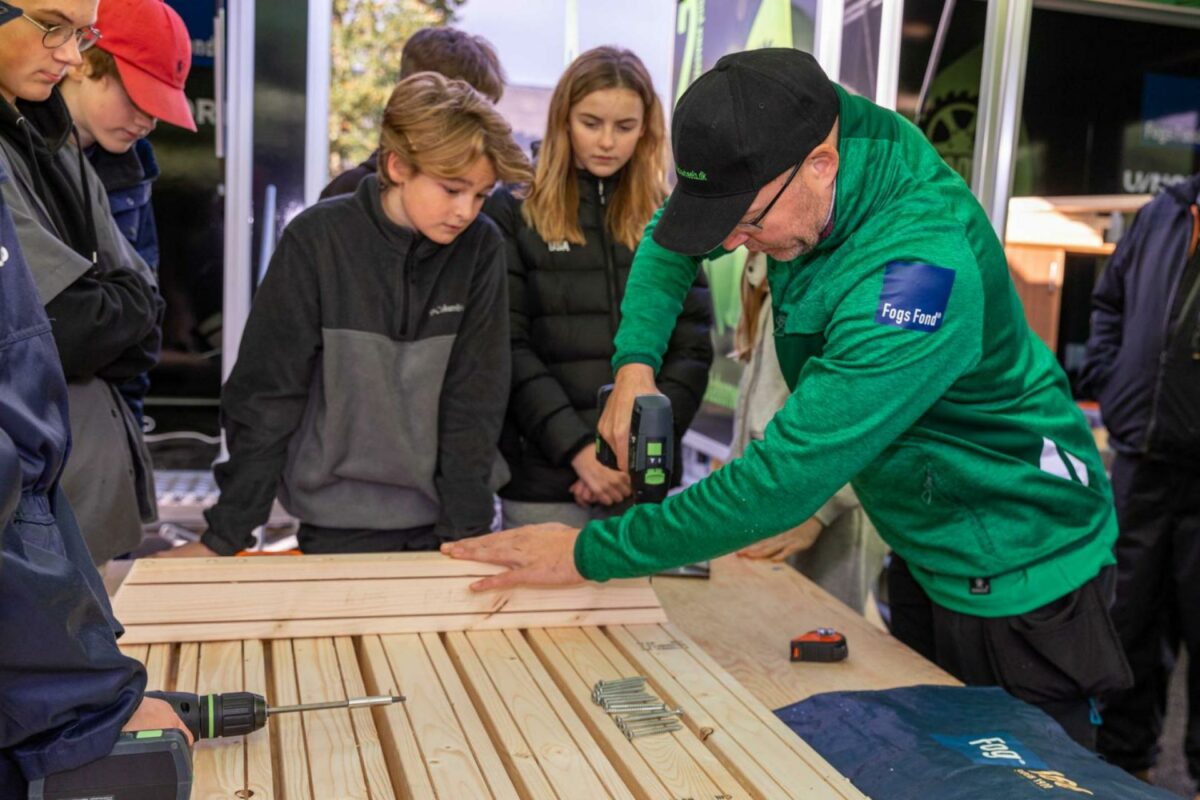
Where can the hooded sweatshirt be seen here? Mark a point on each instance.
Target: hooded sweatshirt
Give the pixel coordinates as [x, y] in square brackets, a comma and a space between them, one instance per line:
[914, 376]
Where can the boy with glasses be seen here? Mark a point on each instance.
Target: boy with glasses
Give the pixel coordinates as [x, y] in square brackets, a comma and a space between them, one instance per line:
[99, 294]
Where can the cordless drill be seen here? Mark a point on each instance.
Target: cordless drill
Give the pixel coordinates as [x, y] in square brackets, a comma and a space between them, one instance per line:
[157, 765]
[651, 457]
[651, 445]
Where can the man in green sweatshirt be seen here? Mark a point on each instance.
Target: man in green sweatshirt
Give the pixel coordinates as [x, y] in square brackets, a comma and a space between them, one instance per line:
[913, 374]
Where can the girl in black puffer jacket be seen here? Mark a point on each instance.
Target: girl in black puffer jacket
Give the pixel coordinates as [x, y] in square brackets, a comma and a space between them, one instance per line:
[569, 248]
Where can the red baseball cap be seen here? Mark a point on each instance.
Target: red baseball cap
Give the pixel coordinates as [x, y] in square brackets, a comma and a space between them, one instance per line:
[153, 51]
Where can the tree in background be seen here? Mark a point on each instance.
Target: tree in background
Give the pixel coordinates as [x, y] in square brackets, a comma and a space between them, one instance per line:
[367, 37]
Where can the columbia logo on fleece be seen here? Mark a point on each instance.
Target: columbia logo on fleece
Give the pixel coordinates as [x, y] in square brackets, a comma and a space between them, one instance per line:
[3, 255]
[457, 308]
[559, 247]
[914, 296]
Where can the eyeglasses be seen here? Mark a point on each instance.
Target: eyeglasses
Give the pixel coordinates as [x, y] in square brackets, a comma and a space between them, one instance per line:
[755, 225]
[56, 36]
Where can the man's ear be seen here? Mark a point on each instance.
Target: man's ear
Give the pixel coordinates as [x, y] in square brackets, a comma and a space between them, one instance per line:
[822, 164]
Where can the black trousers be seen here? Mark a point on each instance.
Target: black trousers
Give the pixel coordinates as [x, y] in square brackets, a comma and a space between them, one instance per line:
[317, 540]
[1157, 608]
[1060, 657]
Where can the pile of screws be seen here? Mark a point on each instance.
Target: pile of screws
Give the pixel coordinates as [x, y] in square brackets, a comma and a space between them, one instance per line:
[636, 711]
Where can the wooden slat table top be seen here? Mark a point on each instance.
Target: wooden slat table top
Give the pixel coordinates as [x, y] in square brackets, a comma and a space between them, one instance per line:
[747, 612]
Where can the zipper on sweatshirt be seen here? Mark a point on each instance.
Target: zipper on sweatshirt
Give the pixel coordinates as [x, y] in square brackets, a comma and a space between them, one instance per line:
[610, 270]
[406, 279]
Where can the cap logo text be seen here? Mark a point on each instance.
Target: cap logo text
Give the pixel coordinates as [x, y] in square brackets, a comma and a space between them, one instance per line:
[691, 174]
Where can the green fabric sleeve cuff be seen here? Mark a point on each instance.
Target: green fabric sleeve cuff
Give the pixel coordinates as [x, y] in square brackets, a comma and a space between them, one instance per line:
[621, 359]
[583, 544]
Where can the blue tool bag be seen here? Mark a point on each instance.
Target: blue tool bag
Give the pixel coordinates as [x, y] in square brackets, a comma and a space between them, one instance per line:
[955, 743]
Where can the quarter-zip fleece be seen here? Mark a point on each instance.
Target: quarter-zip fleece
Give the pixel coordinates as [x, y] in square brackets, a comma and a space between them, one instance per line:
[956, 429]
[371, 380]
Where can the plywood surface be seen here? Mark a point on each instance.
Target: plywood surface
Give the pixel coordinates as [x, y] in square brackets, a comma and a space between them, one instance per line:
[745, 615]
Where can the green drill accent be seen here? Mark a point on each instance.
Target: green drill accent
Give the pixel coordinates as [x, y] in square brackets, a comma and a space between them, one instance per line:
[655, 477]
[212, 718]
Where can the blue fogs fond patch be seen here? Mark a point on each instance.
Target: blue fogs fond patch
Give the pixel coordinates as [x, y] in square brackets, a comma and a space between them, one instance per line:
[992, 749]
[914, 296]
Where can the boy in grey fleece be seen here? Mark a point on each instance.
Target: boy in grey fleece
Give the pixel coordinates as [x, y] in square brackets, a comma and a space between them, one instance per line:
[374, 369]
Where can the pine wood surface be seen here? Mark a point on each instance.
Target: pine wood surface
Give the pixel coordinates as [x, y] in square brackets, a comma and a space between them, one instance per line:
[205, 600]
[489, 714]
[744, 616]
[508, 713]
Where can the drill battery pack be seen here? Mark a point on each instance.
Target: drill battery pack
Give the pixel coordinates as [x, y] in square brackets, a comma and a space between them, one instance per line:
[144, 765]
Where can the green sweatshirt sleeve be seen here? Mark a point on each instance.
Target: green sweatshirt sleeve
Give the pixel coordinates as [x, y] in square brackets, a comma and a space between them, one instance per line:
[870, 384]
[659, 280]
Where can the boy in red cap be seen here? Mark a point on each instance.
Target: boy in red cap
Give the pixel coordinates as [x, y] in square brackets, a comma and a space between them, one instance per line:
[132, 78]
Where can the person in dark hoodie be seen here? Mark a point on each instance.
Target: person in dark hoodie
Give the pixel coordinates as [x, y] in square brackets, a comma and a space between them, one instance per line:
[99, 294]
[600, 175]
[370, 385]
[131, 79]
[67, 691]
[446, 51]
[1143, 365]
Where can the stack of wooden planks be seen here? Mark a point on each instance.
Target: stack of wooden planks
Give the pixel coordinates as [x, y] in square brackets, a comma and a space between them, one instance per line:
[214, 599]
[503, 713]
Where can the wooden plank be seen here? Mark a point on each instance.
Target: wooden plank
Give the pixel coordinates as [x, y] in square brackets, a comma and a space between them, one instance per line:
[147, 604]
[187, 672]
[288, 750]
[741, 727]
[559, 756]
[444, 747]
[733, 756]
[485, 753]
[518, 758]
[333, 766]
[369, 752]
[158, 666]
[138, 652]
[397, 739]
[310, 628]
[705, 758]
[605, 770]
[656, 767]
[260, 779]
[219, 765]
[800, 747]
[298, 568]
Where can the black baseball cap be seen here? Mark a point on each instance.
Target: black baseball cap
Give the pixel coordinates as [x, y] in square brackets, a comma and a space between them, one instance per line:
[738, 127]
[8, 13]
